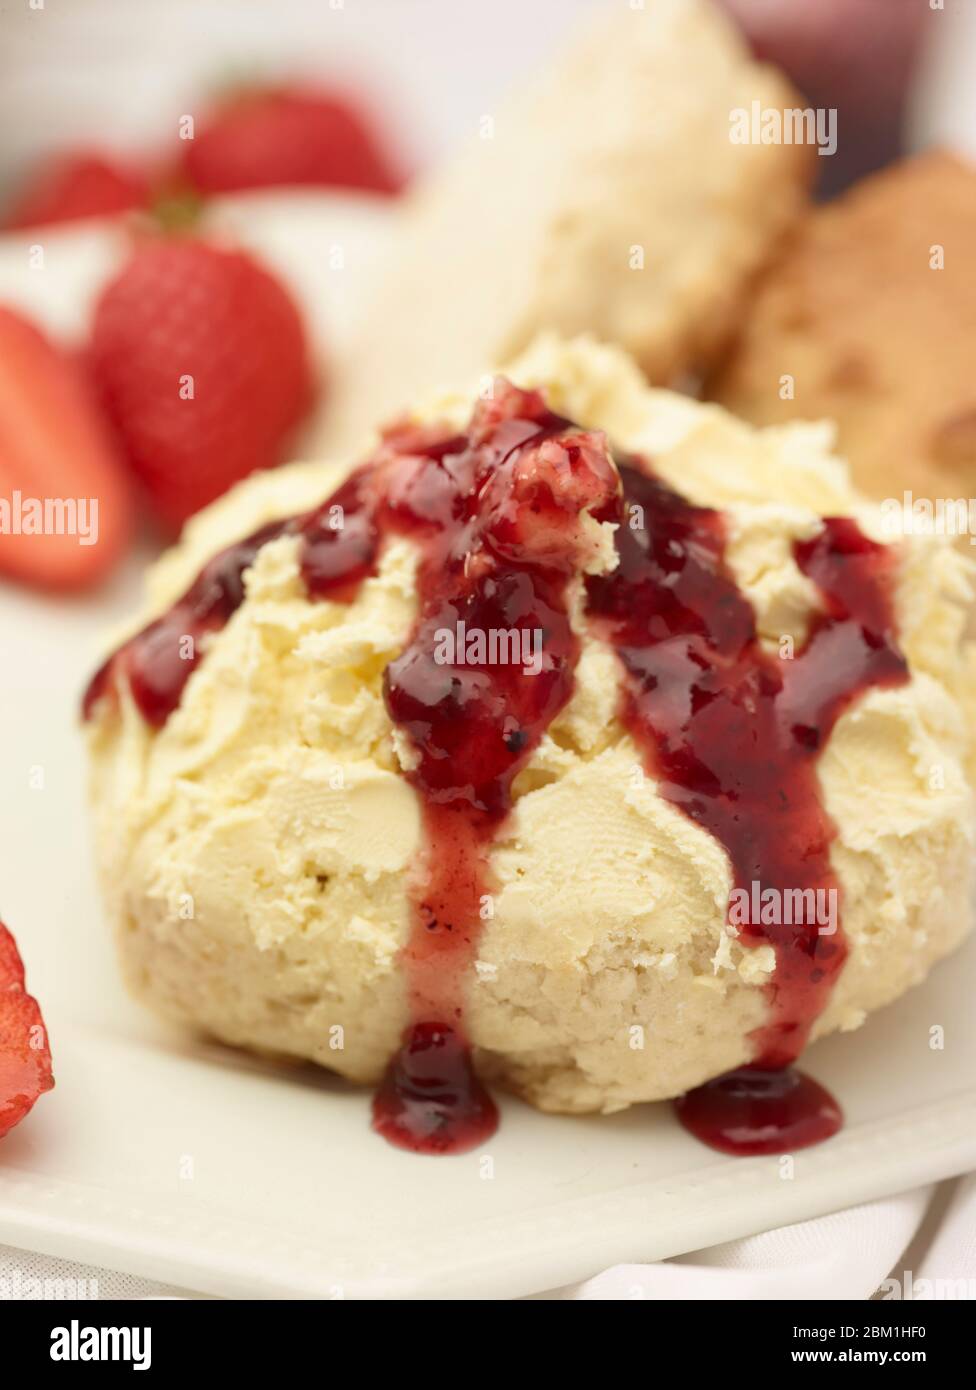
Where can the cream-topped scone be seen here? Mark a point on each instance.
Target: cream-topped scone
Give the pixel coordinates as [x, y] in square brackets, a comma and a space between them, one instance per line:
[282, 805]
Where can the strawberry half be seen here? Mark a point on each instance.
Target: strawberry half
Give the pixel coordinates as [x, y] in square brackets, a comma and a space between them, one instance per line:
[57, 460]
[72, 186]
[25, 1056]
[201, 359]
[287, 135]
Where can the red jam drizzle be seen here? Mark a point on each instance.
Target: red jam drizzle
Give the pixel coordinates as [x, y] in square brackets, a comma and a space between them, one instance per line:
[499, 523]
[752, 1111]
[731, 733]
[158, 661]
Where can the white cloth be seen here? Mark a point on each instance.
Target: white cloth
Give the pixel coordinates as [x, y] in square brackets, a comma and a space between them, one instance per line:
[921, 1244]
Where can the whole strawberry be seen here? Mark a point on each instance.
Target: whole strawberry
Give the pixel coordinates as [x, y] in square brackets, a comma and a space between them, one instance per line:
[263, 137]
[25, 1057]
[201, 359]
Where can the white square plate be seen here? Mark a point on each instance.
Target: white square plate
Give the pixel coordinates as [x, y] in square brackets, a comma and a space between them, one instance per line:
[201, 1167]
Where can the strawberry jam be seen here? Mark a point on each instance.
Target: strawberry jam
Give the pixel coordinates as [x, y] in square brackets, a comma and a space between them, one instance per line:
[339, 545]
[754, 1111]
[499, 522]
[730, 732]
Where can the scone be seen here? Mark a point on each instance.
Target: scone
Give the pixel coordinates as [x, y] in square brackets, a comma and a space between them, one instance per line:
[605, 197]
[497, 748]
[870, 320]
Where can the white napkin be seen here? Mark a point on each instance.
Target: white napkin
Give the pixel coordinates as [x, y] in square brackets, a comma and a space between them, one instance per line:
[917, 1244]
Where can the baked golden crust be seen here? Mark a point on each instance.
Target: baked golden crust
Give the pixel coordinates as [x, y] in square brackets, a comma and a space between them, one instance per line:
[609, 199]
[872, 313]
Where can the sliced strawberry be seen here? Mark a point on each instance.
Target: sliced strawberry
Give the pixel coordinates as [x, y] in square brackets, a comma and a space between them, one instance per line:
[287, 135]
[57, 461]
[201, 359]
[25, 1055]
[77, 185]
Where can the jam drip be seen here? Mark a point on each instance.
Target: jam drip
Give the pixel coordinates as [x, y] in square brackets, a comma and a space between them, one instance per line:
[501, 524]
[733, 733]
[752, 1111]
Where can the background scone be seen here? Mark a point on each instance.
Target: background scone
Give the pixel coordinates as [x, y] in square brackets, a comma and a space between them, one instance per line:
[872, 314]
[606, 197]
[254, 849]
